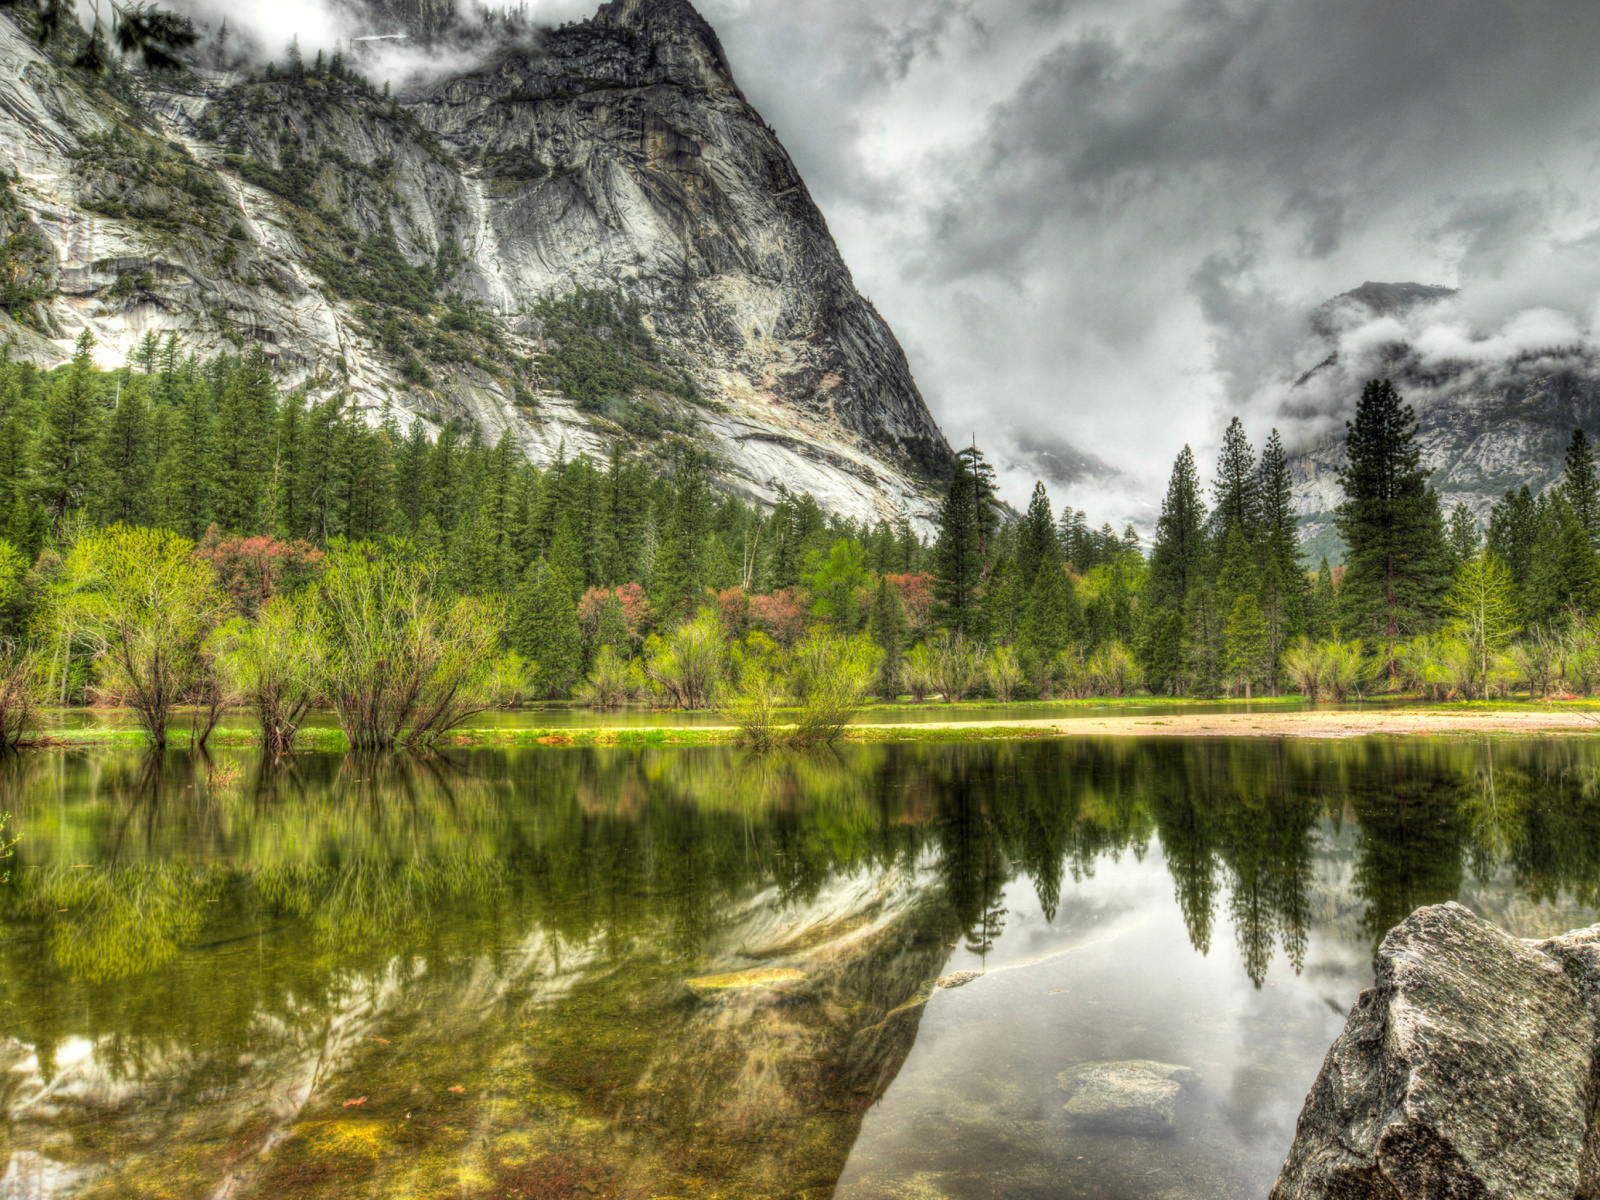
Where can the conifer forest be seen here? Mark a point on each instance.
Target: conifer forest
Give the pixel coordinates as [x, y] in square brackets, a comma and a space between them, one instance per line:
[183, 533]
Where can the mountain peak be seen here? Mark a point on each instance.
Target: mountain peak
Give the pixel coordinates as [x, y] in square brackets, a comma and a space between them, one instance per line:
[669, 22]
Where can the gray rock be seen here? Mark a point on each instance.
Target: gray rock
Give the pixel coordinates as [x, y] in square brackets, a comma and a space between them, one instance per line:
[1134, 1096]
[1468, 1070]
[958, 978]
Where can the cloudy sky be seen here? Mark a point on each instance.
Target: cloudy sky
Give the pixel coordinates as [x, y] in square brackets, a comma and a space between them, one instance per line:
[1104, 222]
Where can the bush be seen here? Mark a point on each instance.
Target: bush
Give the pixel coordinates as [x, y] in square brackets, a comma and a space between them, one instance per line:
[148, 604]
[955, 666]
[402, 664]
[277, 663]
[610, 684]
[842, 674]
[1346, 671]
[1005, 672]
[1304, 665]
[685, 668]
[752, 705]
[1113, 670]
[918, 672]
[21, 693]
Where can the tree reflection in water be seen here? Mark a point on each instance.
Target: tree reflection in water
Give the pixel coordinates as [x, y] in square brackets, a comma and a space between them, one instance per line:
[260, 932]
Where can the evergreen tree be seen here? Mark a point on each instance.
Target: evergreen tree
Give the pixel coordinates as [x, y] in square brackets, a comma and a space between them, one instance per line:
[1245, 644]
[1237, 487]
[958, 554]
[1321, 610]
[65, 463]
[1484, 602]
[125, 468]
[1395, 581]
[886, 626]
[1178, 555]
[1563, 568]
[184, 476]
[241, 443]
[1052, 621]
[679, 573]
[1037, 543]
[411, 466]
[544, 629]
[1202, 642]
[1461, 537]
[1513, 530]
[286, 506]
[325, 477]
[1582, 486]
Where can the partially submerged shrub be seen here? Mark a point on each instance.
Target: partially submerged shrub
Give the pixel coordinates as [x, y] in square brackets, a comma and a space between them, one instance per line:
[686, 666]
[402, 663]
[1113, 670]
[843, 672]
[21, 692]
[148, 604]
[277, 663]
[610, 684]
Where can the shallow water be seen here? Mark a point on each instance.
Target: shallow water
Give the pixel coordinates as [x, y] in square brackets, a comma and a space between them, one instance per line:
[465, 976]
[571, 716]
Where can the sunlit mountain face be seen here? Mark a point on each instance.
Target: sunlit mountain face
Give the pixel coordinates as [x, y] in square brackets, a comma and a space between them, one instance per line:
[701, 972]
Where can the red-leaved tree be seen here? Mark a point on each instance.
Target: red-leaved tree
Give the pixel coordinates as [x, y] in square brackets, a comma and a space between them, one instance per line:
[254, 569]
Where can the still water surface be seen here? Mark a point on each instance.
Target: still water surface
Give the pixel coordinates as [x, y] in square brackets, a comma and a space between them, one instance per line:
[465, 976]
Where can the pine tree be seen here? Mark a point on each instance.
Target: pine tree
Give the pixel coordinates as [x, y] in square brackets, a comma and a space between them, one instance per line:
[285, 505]
[241, 443]
[1236, 487]
[1582, 486]
[1563, 567]
[1178, 555]
[1461, 537]
[1037, 543]
[184, 477]
[1322, 608]
[679, 574]
[125, 460]
[1395, 582]
[411, 466]
[1245, 644]
[958, 554]
[886, 626]
[1202, 641]
[1051, 621]
[64, 462]
[544, 629]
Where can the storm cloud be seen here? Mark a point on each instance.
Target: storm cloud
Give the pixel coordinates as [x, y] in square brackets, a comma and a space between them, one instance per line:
[1102, 226]
[1108, 224]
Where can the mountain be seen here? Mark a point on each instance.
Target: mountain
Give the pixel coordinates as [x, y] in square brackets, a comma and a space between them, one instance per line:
[589, 240]
[1491, 415]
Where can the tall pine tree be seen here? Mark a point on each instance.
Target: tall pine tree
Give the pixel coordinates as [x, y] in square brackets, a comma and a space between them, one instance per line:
[1395, 581]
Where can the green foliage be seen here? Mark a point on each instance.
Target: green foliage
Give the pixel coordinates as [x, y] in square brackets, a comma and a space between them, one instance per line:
[840, 672]
[1395, 581]
[376, 271]
[544, 627]
[604, 353]
[960, 555]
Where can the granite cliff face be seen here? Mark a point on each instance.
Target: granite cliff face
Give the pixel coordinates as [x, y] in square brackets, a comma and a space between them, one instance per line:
[1487, 420]
[591, 239]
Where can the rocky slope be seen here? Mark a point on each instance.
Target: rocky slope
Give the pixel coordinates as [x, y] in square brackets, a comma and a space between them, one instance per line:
[592, 239]
[1489, 417]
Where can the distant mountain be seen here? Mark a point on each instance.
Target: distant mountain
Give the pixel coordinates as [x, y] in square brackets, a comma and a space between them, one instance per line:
[590, 240]
[1488, 419]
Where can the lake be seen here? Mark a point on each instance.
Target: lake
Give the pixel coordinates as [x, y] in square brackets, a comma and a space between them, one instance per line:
[697, 972]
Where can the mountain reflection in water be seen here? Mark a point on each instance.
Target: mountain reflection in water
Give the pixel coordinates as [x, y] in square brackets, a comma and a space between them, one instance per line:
[466, 976]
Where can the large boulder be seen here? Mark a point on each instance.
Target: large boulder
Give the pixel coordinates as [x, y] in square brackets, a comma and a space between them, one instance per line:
[1469, 1070]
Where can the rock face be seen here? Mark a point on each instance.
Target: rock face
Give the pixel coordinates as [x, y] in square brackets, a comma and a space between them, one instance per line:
[1469, 1069]
[333, 225]
[1137, 1096]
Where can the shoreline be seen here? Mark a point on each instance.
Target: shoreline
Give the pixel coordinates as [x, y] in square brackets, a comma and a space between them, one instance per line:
[1310, 724]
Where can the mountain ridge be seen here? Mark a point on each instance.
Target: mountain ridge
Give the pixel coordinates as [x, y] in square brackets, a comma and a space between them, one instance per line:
[613, 156]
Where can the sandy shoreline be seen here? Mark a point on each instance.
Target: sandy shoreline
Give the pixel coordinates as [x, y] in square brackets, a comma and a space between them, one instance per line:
[1313, 724]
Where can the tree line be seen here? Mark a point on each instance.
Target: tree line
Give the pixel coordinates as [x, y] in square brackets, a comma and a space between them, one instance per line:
[613, 582]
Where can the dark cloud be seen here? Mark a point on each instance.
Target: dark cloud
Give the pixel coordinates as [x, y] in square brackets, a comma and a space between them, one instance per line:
[1107, 224]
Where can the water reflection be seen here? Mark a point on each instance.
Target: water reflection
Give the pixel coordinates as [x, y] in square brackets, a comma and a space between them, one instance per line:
[465, 975]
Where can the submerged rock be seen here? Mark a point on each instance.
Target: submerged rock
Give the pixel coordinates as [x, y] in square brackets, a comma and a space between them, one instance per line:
[1134, 1096]
[760, 982]
[956, 978]
[1469, 1069]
